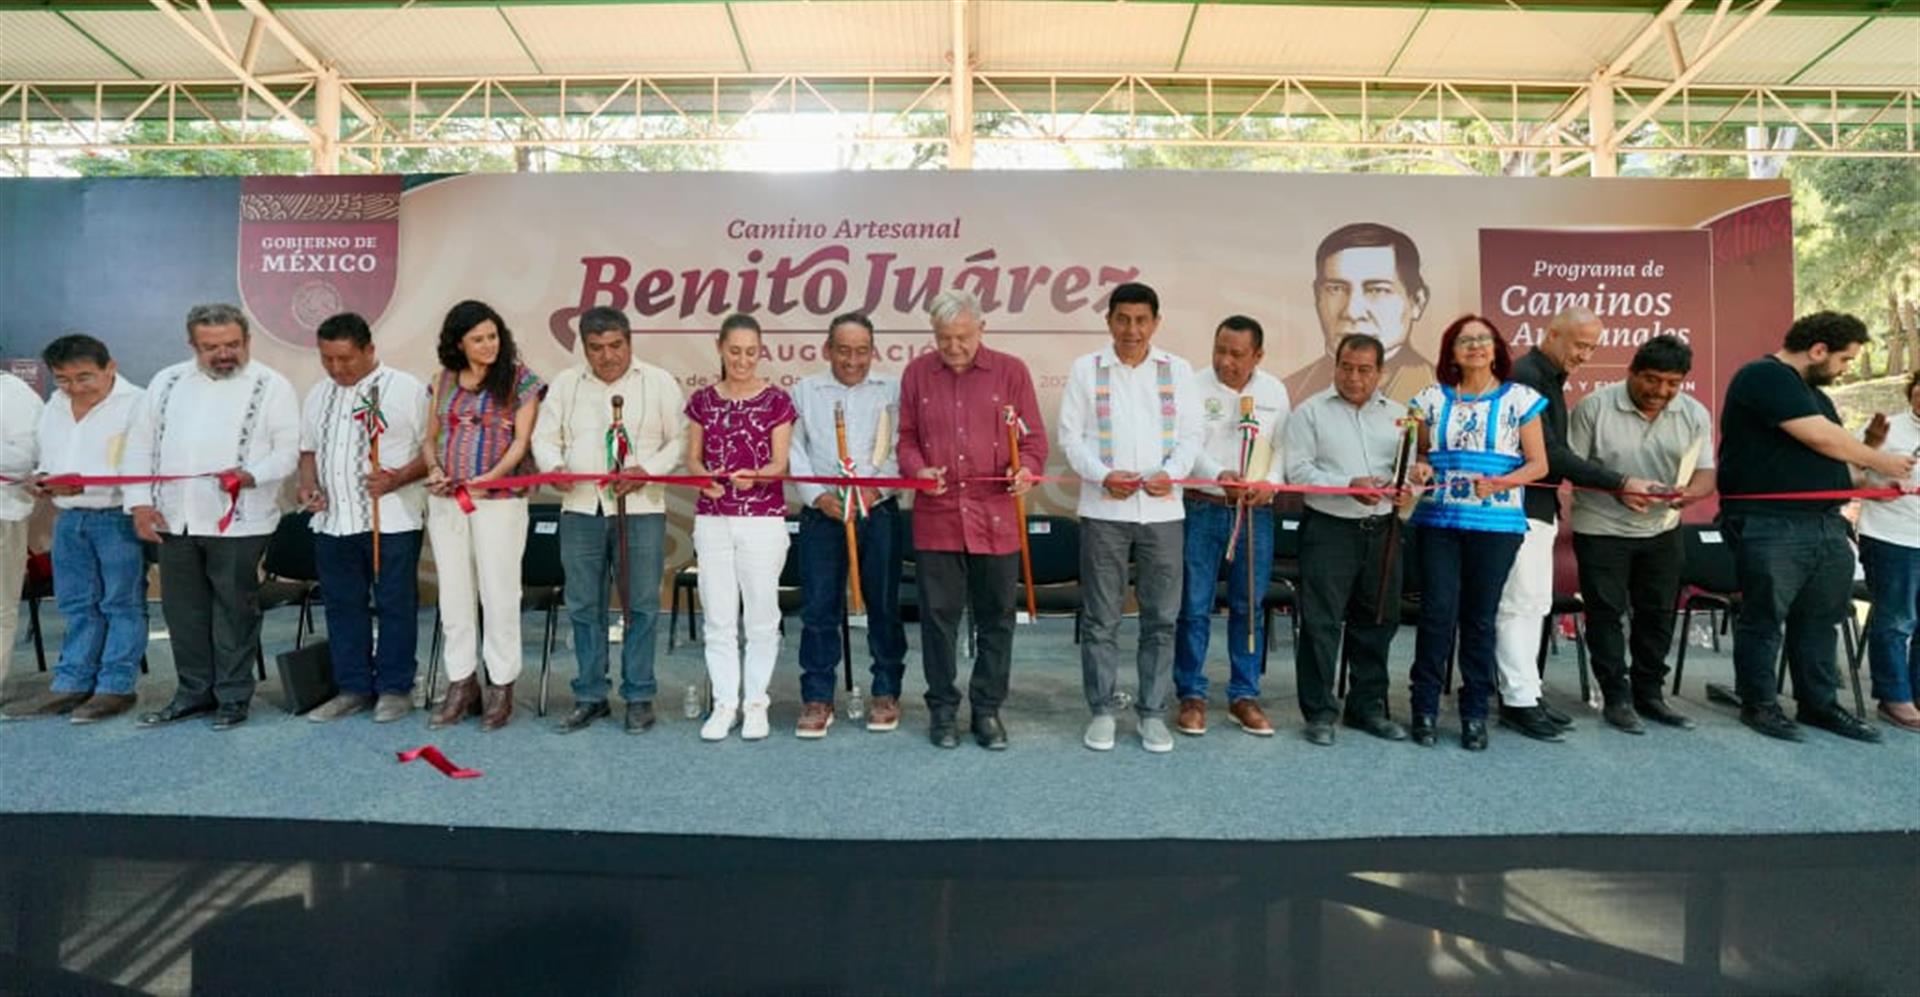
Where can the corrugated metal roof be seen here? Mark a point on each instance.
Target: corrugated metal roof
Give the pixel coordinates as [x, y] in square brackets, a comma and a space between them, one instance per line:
[845, 36]
[1886, 51]
[37, 45]
[666, 38]
[1520, 44]
[1065, 35]
[414, 41]
[1244, 39]
[159, 51]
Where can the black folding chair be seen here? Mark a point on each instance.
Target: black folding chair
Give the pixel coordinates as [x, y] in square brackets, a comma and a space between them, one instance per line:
[542, 589]
[1708, 582]
[1283, 582]
[1567, 604]
[1054, 542]
[292, 578]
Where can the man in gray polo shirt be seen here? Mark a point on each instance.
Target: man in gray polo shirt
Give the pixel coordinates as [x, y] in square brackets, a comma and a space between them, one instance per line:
[1643, 427]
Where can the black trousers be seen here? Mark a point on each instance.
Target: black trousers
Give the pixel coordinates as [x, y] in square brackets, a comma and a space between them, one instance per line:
[1622, 577]
[949, 582]
[210, 596]
[1339, 590]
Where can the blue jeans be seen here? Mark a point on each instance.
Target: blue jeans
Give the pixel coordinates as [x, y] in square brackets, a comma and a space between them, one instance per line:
[1893, 575]
[1462, 573]
[100, 586]
[589, 554]
[345, 566]
[1207, 529]
[823, 568]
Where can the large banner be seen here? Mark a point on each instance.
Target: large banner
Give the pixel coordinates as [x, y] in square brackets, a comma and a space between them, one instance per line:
[1310, 257]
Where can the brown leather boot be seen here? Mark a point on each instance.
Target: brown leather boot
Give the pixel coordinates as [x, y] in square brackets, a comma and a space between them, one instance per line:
[499, 707]
[461, 698]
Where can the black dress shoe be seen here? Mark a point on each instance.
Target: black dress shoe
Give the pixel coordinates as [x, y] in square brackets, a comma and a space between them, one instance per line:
[1554, 714]
[1835, 720]
[639, 717]
[1425, 733]
[989, 732]
[1531, 721]
[229, 716]
[1379, 726]
[1473, 734]
[1655, 708]
[1320, 732]
[1622, 717]
[1769, 720]
[174, 711]
[582, 717]
[944, 734]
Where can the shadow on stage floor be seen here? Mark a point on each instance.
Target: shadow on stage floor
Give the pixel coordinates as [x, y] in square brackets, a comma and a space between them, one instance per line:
[255, 906]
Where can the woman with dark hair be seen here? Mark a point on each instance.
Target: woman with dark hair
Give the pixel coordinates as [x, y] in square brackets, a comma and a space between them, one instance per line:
[740, 428]
[1481, 435]
[1890, 555]
[483, 406]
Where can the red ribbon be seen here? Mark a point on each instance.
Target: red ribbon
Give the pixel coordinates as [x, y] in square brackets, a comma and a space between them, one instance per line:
[230, 483]
[464, 498]
[439, 761]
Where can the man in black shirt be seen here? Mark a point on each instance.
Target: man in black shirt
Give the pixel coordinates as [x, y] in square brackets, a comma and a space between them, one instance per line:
[1779, 433]
[1571, 338]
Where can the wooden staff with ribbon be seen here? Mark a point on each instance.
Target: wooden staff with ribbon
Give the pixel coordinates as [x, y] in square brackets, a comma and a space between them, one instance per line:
[375, 422]
[618, 447]
[853, 503]
[1249, 427]
[1017, 427]
[1402, 467]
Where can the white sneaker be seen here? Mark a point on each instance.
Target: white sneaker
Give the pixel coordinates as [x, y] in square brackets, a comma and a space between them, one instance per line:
[1154, 735]
[718, 724]
[753, 726]
[1099, 734]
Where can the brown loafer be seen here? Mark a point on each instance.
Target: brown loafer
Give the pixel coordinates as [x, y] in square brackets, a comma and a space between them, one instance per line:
[1192, 718]
[1910, 720]
[47, 704]
[102, 706]
[499, 708]
[815, 718]
[1251, 718]
[884, 714]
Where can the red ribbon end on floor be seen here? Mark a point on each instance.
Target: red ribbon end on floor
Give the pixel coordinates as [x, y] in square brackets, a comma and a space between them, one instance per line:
[438, 760]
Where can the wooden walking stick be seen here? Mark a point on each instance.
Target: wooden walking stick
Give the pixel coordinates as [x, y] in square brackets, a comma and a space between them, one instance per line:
[1015, 428]
[1402, 466]
[852, 500]
[375, 422]
[618, 447]
[1249, 427]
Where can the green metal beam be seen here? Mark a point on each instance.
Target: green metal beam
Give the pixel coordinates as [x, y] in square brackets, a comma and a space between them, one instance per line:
[1404, 42]
[508, 21]
[1802, 71]
[1181, 59]
[97, 43]
[738, 42]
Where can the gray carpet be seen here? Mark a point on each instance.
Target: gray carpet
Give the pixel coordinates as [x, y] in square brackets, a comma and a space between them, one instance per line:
[1719, 779]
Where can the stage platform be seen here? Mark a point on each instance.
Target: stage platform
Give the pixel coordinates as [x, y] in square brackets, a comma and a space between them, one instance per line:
[183, 860]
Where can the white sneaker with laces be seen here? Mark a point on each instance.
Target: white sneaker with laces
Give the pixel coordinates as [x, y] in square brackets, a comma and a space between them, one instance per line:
[753, 726]
[719, 722]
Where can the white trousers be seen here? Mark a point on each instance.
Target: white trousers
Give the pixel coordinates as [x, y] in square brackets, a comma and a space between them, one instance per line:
[477, 557]
[1527, 599]
[13, 575]
[740, 561]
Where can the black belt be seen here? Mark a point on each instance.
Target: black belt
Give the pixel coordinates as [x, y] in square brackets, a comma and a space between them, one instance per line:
[1365, 524]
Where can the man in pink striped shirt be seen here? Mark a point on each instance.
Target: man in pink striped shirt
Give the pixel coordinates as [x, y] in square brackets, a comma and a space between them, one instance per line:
[965, 533]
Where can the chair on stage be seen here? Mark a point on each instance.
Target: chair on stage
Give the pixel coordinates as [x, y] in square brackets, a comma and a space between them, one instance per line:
[1283, 582]
[686, 589]
[1055, 545]
[36, 584]
[292, 578]
[542, 589]
[1567, 605]
[1709, 581]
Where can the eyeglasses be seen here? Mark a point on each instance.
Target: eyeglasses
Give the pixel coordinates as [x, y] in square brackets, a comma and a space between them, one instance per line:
[1474, 341]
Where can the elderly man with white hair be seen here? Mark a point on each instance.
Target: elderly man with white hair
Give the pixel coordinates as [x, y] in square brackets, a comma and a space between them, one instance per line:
[1572, 336]
[953, 430]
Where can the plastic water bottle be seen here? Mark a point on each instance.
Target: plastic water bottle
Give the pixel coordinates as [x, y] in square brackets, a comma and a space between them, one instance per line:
[856, 704]
[691, 707]
[1700, 631]
[1122, 700]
